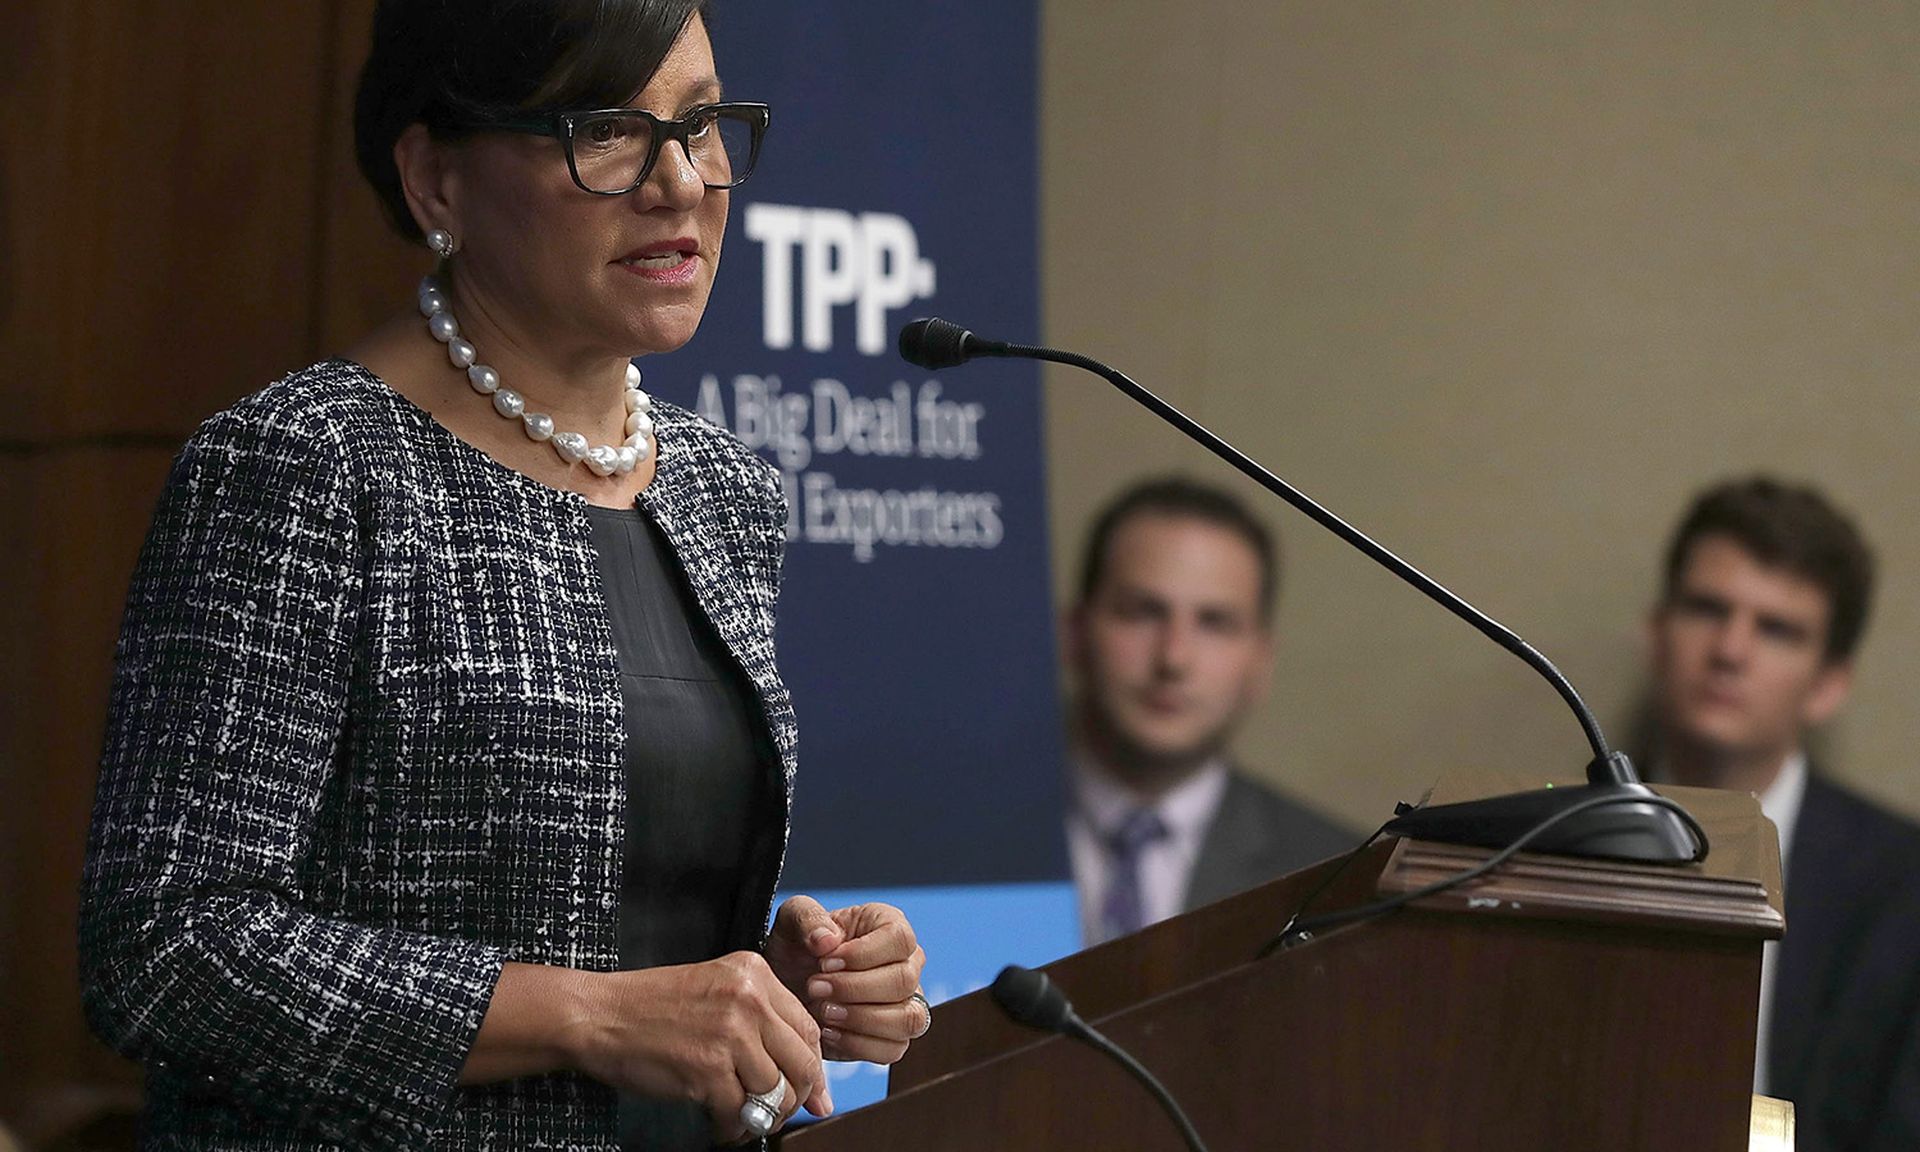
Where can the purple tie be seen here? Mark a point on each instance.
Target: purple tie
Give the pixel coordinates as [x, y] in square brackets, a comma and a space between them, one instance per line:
[1122, 912]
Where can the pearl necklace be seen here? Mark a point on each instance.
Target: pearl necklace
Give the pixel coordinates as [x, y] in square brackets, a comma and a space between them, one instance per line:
[572, 447]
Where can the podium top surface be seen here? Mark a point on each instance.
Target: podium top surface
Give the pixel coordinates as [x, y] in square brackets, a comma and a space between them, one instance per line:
[1735, 891]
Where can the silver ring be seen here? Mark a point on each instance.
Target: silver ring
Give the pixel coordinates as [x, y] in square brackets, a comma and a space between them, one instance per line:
[926, 1014]
[762, 1110]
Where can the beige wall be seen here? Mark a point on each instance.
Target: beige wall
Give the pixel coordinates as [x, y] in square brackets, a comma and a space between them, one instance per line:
[1504, 282]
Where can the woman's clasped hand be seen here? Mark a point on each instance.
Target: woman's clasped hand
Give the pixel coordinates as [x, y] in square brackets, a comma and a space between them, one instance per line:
[837, 985]
[710, 1032]
[834, 985]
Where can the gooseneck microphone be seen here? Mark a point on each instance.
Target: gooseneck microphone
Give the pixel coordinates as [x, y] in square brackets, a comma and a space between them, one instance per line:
[1632, 824]
[1029, 998]
[931, 342]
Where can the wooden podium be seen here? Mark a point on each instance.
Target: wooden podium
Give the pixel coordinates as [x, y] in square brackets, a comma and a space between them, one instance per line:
[1557, 1005]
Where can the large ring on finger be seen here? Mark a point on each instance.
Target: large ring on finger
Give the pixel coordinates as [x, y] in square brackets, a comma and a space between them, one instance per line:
[926, 1014]
[762, 1110]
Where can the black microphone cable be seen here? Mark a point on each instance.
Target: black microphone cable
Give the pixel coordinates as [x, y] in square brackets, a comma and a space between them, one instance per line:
[1319, 890]
[1297, 930]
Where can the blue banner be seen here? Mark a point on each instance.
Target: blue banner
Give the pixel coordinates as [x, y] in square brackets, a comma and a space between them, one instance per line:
[899, 179]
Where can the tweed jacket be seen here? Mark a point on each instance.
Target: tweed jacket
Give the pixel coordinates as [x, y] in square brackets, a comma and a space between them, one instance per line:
[366, 745]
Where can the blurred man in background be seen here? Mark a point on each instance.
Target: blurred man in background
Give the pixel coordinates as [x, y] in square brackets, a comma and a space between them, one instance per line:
[1171, 642]
[1752, 645]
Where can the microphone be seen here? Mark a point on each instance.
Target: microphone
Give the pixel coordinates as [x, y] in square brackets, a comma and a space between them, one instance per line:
[1029, 998]
[935, 343]
[1633, 823]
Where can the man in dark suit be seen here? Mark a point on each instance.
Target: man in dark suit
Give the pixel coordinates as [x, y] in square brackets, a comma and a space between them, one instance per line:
[1764, 603]
[1171, 643]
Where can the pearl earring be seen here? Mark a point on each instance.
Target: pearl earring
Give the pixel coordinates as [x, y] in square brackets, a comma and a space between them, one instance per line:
[442, 243]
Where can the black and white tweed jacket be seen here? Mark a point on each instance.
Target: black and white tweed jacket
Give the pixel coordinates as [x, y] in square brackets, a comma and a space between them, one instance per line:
[365, 746]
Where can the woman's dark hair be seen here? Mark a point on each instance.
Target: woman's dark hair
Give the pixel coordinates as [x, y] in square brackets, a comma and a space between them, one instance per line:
[1791, 527]
[445, 63]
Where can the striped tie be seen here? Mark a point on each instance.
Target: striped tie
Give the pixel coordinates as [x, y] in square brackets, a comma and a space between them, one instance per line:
[1123, 911]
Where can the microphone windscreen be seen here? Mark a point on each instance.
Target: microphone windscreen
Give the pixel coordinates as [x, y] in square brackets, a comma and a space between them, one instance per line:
[931, 342]
[1030, 998]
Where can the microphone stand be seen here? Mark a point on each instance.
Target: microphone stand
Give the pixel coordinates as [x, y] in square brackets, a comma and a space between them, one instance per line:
[1625, 827]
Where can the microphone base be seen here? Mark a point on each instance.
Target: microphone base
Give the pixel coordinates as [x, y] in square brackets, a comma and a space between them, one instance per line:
[1642, 832]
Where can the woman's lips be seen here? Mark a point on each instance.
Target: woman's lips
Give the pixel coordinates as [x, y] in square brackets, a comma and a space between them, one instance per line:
[673, 266]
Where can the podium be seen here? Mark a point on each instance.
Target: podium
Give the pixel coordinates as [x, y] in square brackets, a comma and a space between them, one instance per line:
[1556, 1004]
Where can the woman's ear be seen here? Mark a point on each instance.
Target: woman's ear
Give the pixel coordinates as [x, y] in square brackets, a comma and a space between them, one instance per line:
[426, 179]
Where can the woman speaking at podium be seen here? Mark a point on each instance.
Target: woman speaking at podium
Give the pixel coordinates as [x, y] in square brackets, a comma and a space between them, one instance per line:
[445, 783]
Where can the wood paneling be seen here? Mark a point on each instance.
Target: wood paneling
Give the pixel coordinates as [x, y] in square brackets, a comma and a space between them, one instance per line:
[159, 181]
[366, 271]
[181, 222]
[82, 515]
[38, 45]
[14, 644]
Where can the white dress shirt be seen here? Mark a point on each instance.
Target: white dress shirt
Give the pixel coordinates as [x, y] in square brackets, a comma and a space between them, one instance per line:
[1101, 803]
[1781, 804]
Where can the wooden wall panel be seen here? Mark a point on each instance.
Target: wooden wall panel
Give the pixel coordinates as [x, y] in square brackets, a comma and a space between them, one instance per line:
[366, 271]
[15, 591]
[83, 514]
[169, 179]
[36, 47]
[160, 182]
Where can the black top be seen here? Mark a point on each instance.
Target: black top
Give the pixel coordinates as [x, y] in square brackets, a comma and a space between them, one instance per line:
[694, 785]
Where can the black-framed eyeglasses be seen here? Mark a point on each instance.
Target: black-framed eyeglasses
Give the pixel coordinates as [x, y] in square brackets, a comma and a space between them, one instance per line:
[611, 151]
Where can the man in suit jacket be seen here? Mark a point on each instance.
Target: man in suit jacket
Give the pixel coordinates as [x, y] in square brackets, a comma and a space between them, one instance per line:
[1765, 600]
[1171, 643]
